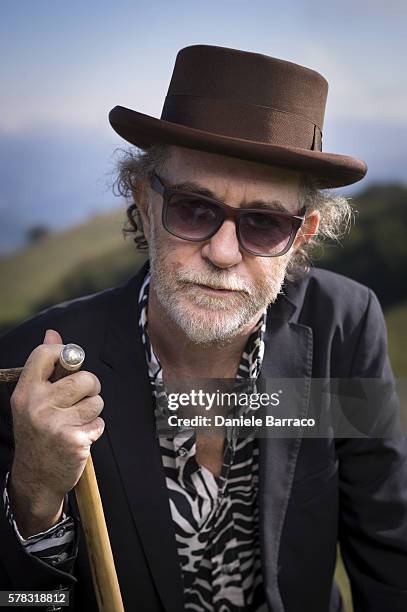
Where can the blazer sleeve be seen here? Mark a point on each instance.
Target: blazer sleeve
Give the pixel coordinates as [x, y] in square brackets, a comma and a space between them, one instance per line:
[373, 484]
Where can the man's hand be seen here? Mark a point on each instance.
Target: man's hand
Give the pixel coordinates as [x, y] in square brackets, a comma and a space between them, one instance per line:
[54, 426]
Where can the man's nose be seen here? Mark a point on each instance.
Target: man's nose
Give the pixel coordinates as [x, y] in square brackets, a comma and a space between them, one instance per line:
[223, 249]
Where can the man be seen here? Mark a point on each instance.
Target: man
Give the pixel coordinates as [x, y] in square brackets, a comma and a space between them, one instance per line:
[226, 199]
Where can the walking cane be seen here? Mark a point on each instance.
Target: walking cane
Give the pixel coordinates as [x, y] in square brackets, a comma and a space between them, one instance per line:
[105, 582]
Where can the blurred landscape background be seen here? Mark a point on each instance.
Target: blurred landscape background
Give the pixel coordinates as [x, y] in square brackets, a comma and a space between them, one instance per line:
[64, 66]
[55, 266]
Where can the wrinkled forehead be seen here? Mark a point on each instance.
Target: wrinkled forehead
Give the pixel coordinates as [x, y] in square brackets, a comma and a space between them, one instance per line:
[231, 179]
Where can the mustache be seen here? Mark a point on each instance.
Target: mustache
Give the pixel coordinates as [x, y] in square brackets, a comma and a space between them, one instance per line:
[214, 280]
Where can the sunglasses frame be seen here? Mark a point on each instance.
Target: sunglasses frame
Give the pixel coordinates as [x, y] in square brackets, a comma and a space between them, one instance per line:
[230, 212]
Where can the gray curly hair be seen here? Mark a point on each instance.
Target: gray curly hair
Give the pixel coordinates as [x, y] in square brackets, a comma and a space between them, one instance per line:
[336, 213]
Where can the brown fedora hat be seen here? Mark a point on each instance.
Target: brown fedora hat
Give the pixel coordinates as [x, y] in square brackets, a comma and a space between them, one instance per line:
[244, 105]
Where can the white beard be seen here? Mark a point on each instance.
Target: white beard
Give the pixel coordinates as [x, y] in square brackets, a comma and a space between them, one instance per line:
[207, 319]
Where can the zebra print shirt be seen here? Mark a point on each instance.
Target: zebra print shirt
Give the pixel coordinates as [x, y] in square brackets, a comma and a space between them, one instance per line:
[215, 518]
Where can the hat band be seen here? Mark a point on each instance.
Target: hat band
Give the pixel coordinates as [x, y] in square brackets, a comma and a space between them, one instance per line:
[240, 120]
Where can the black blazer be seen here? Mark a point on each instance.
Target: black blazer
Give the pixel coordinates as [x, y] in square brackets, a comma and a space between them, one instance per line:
[312, 492]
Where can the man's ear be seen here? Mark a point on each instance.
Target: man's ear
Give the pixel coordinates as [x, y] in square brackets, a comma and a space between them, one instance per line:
[309, 228]
[140, 195]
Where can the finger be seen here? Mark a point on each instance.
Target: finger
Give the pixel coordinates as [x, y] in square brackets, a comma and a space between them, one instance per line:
[73, 388]
[52, 337]
[85, 411]
[41, 363]
[92, 431]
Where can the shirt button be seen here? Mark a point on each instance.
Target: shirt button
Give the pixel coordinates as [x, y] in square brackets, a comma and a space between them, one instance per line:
[60, 533]
[182, 451]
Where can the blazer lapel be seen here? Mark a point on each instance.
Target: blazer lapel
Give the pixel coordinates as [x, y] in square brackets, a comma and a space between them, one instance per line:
[288, 355]
[131, 430]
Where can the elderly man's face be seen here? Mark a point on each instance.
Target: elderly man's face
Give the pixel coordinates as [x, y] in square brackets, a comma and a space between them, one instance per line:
[212, 289]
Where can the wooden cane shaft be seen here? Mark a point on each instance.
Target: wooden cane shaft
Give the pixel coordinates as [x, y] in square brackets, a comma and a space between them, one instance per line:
[10, 375]
[104, 575]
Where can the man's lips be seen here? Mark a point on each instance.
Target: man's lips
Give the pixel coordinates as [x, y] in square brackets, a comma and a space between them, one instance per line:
[216, 290]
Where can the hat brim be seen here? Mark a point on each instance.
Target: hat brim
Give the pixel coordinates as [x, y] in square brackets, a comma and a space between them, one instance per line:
[330, 169]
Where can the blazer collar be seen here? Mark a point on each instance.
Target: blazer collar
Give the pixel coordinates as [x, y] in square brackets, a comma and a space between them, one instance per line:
[289, 302]
[130, 426]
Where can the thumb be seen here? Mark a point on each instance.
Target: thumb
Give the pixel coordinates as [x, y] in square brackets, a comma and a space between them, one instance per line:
[52, 337]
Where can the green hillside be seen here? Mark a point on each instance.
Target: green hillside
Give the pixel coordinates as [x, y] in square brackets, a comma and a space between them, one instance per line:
[396, 320]
[36, 270]
[375, 251]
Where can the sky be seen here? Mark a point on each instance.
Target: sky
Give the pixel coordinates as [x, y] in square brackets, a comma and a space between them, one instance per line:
[63, 67]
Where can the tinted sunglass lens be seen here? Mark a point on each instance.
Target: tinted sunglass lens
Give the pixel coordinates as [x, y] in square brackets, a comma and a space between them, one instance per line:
[265, 234]
[192, 218]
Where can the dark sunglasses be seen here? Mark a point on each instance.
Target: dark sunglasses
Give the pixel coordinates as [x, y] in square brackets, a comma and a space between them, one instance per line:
[195, 217]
